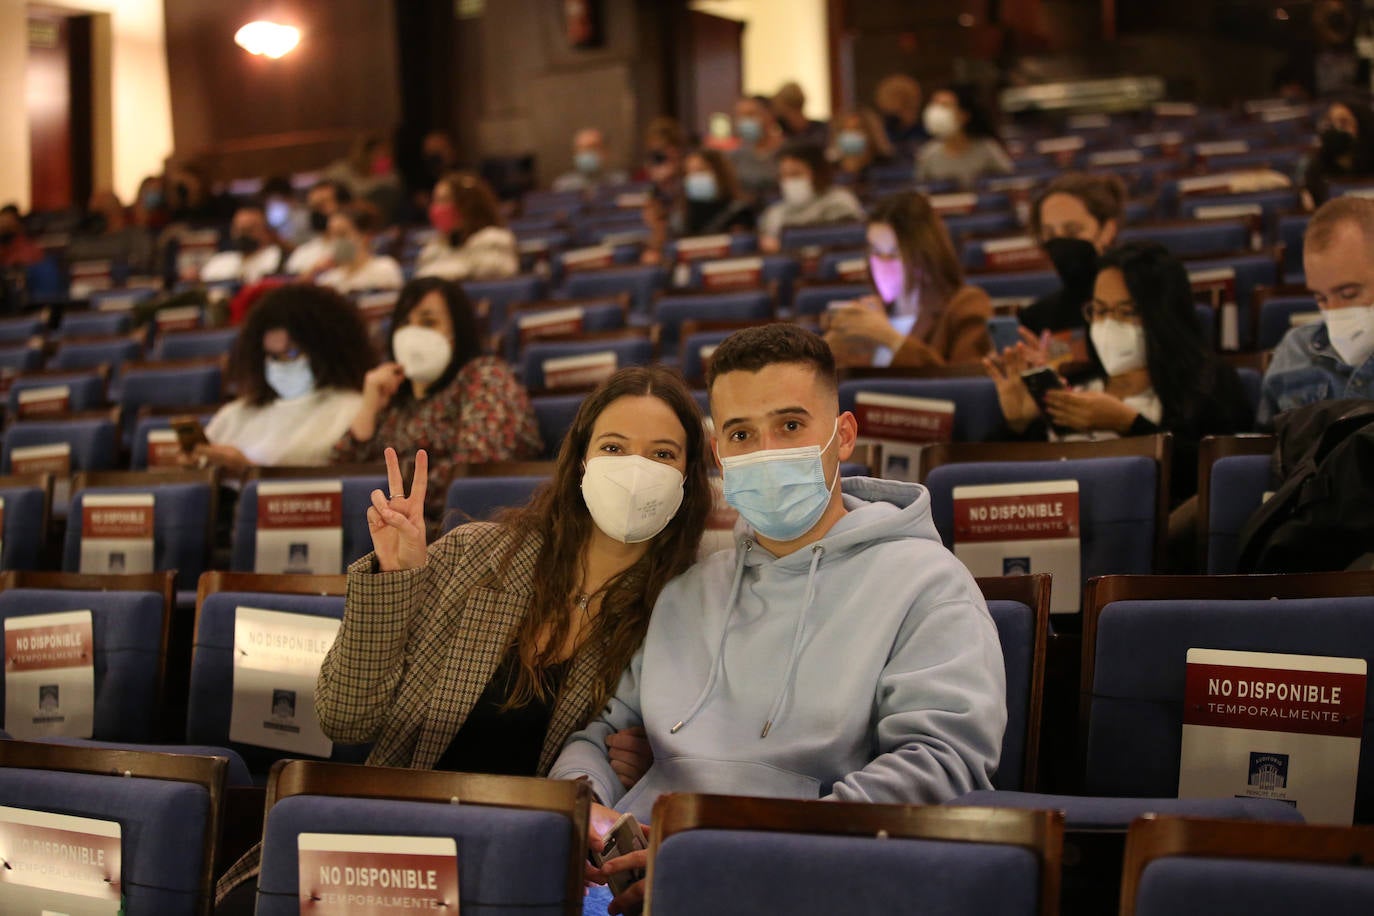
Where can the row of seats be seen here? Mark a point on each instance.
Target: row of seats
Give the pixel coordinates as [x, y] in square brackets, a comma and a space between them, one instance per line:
[1139, 631]
[500, 843]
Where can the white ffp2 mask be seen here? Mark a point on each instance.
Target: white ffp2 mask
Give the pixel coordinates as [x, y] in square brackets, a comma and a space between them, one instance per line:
[1120, 345]
[423, 353]
[631, 498]
[1351, 331]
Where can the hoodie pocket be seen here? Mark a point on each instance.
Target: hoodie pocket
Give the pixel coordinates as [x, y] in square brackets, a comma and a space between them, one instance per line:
[720, 777]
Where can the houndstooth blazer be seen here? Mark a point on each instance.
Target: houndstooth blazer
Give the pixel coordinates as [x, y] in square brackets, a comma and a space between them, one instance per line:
[417, 648]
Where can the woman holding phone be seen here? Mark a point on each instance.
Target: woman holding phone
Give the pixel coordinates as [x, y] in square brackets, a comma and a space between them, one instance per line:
[1157, 373]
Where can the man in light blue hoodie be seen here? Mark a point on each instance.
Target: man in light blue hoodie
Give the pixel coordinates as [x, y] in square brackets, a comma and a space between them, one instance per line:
[839, 651]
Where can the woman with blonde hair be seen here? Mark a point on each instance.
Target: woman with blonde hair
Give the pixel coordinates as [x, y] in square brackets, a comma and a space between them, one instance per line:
[924, 314]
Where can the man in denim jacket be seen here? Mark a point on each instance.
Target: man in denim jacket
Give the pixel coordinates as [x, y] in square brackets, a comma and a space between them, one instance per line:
[1332, 358]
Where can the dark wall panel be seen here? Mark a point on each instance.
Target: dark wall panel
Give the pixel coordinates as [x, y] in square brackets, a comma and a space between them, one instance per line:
[236, 111]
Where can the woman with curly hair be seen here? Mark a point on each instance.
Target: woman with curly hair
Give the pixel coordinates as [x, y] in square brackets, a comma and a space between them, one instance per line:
[299, 363]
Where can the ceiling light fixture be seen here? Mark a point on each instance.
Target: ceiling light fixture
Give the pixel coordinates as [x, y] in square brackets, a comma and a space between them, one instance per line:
[268, 39]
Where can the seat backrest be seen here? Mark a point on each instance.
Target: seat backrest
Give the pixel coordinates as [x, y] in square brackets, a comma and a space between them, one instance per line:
[1030, 284]
[196, 344]
[555, 414]
[640, 282]
[671, 311]
[1117, 499]
[1020, 608]
[357, 496]
[521, 842]
[128, 635]
[829, 235]
[154, 386]
[1276, 318]
[25, 525]
[209, 706]
[167, 806]
[1232, 868]
[560, 321]
[92, 441]
[479, 498]
[815, 298]
[501, 294]
[1238, 484]
[85, 390]
[19, 330]
[1136, 637]
[630, 349]
[977, 412]
[181, 535]
[21, 358]
[778, 858]
[94, 323]
[83, 355]
[1192, 238]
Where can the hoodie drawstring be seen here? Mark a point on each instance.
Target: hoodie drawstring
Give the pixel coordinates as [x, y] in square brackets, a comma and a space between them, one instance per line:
[786, 690]
[718, 662]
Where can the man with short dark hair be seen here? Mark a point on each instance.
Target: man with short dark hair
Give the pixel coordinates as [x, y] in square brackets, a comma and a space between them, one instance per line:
[1334, 357]
[839, 651]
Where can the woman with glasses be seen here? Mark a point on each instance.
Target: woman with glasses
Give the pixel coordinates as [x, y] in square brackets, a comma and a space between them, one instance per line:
[1158, 374]
[299, 364]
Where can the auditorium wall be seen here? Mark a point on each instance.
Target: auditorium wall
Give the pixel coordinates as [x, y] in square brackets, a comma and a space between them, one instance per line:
[133, 119]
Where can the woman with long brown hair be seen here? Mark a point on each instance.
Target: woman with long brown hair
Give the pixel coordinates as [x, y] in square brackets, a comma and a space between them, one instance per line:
[923, 314]
[484, 652]
[471, 241]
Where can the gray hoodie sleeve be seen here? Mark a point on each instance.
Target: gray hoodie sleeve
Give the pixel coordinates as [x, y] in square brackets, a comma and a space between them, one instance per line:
[585, 754]
[941, 708]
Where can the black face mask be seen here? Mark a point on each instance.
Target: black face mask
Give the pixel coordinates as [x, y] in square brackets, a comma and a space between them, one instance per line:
[1075, 260]
[245, 244]
[1336, 143]
[318, 221]
[7, 236]
[435, 166]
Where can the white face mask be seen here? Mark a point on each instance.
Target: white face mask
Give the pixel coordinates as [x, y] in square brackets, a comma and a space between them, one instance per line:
[797, 192]
[1120, 345]
[423, 353]
[1352, 333]
[940, 121]
[631, 498]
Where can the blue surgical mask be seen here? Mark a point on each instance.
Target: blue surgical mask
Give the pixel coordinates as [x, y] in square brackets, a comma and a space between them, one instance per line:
[290, 378]
[588, 161]
[750, 130]
[852, 143]
[278, 212]
[781, 492]
[700, 186]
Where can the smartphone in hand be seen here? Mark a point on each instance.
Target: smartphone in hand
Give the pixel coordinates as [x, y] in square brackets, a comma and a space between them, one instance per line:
[624, 837]
[189, 433]
[1040, 382]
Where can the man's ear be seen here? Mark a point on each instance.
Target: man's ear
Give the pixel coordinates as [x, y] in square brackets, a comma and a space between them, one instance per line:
[847, 431]
[715, 452]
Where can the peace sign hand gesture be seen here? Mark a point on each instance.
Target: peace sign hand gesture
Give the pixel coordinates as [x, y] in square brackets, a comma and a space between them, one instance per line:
[397, 524]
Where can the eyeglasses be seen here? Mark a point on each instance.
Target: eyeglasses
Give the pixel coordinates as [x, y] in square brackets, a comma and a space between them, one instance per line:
[289, 356]
[1121, 312]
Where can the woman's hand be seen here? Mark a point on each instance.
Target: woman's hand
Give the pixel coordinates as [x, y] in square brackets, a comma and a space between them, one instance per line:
[630, 755]
[1018, 407]
[1089, 410]
[864, 320]
[381, 384]
[397, 523]
[225, 457]
[379, 387]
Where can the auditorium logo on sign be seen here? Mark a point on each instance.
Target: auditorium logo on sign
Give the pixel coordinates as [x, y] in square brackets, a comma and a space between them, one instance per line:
[1268, 771]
